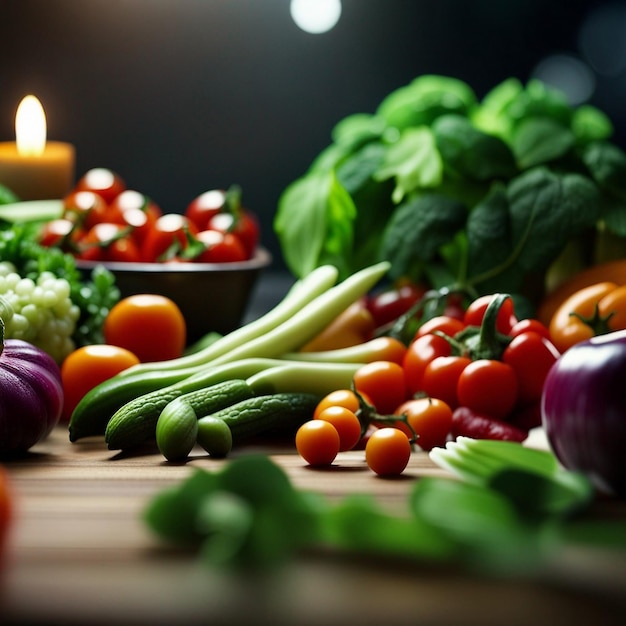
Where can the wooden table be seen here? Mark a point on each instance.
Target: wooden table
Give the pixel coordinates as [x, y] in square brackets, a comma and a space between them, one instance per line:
[79, 553]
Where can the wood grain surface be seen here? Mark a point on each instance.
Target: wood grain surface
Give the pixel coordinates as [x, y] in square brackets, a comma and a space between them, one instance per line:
[79, 553]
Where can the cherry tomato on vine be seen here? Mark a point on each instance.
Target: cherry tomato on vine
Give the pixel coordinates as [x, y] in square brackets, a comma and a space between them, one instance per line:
[60, 232]
[244, 225]
[418, 355]
[220, 247]
[317, 442]
[430, 419]
[346, 423]
[340, 397]
[383, 382]
[149, 325]
[106, 183]
[169, 230]
[442, 323]
[531, 355]
[488, 387]
[476, 311]
[87, 209]
[108, 242]
[203, 207]
[88, 366]
[441, 377]
[387, 451]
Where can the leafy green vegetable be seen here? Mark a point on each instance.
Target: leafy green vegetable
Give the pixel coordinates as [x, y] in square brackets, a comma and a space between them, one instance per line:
[512, 510]
[484, 194]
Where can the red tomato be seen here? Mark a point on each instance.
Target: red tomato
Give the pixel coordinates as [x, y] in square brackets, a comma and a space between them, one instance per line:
[108, 242]
[383, 383]
[88, 209]
[149, 325]
[317, 442]
[441, 377]
[418, 355]
[387, 306]
[102, 181]
[169, 231]
[244, 225]
[506, 315]
[530, 325]
[141, 223]
[130, 200]
[62, 233]
[387, 451]
[430, 419]
[220, 247]
[202, 208]
[87, 367]
[488, 387]
[443, 323]
[531, 355]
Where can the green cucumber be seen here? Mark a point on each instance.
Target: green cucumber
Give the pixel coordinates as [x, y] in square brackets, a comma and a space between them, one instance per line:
[262, 414]
[135, 424]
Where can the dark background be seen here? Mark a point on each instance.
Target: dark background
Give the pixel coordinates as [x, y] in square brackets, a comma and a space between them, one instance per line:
[180, 96]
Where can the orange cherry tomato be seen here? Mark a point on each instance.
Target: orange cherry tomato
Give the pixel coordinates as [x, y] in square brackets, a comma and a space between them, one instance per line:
[388, 451]
[347, 424]
[317, 442]
[383, 382]
[340, 397]
[89, 366]
[430, 419]
[149, 325]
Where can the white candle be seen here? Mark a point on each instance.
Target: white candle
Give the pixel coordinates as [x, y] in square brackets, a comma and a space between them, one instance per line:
[31, 167]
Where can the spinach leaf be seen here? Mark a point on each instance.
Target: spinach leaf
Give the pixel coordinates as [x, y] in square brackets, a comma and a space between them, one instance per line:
[413, 161]
[470, 153]
[424, 99]
[418, 228]
[518, 234]
[607, 164]
[590, 124]
[314, 221]
[539, 140]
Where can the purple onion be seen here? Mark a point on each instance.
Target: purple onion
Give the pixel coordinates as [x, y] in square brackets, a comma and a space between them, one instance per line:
[584, 411]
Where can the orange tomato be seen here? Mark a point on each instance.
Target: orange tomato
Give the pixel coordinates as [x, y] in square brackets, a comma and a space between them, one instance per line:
[388, 451]
[317, 442]
[346, 423]
[87, 367]
[430, 419]
[151, 326]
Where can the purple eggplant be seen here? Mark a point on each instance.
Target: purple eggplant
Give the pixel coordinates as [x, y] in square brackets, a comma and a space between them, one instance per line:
[584, 411]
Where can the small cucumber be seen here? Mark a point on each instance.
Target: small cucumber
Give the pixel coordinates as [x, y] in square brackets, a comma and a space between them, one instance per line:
[135, 424]
[262, 414]
[214, 436]
[177, 430]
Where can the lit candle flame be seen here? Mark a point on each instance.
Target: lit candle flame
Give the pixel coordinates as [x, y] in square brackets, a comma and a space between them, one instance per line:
[30, 127]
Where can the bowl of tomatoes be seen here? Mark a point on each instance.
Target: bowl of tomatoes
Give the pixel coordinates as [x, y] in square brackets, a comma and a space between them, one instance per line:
[207, 259]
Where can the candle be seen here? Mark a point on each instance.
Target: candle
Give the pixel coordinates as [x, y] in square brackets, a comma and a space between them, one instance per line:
[31, 167]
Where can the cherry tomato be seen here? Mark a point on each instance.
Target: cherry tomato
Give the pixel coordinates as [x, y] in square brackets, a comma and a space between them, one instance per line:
[6, 508]
[317, 442]
[387, 451]
[441, 376]
[383, 383]
[141, 222]
[388, 349]
[244, 225]
[149, 325]
[418, 355]
[488, 387]
[60, 232]
[136, 210]
[340, 397]
[220, 247]
[88, 366]
[531, 355]
[430, 419]
[530, 325]
[476, 311]
[87, 209]
[108, 242]
[387, 306]
[104, 182]
[169, 230]
[346, 422]
[202, 208]
[443, 323]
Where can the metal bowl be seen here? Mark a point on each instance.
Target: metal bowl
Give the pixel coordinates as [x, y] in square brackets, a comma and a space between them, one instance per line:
[211, 296]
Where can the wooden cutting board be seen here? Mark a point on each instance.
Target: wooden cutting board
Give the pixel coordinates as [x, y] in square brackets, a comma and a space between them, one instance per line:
[79, 553]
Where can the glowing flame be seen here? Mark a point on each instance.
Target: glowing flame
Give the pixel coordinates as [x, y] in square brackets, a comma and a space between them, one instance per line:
[30, 127]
